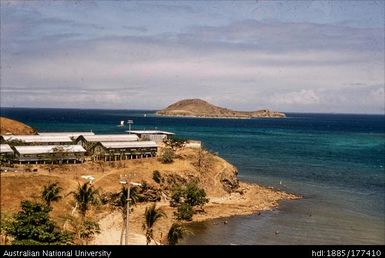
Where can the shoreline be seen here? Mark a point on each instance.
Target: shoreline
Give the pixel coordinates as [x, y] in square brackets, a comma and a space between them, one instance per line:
[227, 195]
[255, 200]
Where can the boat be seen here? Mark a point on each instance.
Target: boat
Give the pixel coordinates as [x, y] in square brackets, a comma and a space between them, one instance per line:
[121, 123]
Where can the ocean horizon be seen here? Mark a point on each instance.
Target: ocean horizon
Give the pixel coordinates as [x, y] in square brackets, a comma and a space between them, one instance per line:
[336, 162]
[382, 113]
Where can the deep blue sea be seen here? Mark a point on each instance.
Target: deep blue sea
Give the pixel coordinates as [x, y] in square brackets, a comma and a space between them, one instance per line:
[335, 161]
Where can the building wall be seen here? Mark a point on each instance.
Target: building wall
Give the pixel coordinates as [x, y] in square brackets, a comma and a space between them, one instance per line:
[6, 157]
[101, 153]
[49, 158]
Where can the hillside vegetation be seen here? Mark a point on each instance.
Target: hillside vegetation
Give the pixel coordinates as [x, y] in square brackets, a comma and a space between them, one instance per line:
[226, 195]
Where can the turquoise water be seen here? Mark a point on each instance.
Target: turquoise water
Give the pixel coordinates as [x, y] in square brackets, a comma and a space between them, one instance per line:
[335, 161]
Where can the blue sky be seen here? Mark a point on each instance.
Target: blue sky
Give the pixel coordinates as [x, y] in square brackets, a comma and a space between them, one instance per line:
[300, 56]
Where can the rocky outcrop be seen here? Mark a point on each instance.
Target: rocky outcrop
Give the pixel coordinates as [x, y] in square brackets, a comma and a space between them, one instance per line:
[201, 108]
[229, 180]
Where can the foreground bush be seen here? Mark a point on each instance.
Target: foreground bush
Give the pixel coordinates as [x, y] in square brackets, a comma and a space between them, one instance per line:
[32, 225]
[167, 156]
[156, 176]
[185, 212]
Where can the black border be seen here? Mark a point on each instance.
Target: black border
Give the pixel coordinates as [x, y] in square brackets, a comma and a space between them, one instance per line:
[182, 251]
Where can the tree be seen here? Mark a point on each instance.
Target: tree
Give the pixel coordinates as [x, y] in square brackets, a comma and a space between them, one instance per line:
[32, 225]
[88, 230]
[175, 233]
[85, 196]
[151, 216]
[191, 194]
[83, 230]
[156, 176]
[175, 143]
[204, 159]
[194, 195]
[185, 212]
[177, 193]
[51, 193]
[167, 156]
[185, 198]
[5, 224]
[58, 154]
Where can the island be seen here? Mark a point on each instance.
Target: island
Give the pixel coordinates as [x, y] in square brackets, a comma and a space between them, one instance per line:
[201, 108]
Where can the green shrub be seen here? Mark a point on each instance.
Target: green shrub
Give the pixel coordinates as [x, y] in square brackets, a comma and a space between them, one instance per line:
[156, 176]
[167, 156]
[32, 225]
[175, 233]
[194, 195]
[88, 230]
[177, 192]
[185, 212]
[175, 142]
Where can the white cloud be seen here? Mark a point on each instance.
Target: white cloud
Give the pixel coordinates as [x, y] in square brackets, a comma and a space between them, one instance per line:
[302, 97]
[245, 65]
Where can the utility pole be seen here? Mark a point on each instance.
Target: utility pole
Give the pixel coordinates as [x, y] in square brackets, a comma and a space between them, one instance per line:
[124, 181]
[128, 212]
[129, 122]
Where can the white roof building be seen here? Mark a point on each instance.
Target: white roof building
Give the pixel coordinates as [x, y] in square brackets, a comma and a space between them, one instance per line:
[69, 134]
[45, 149]
[5, 148]
[122, 145]
[109, 138]
[38, 138]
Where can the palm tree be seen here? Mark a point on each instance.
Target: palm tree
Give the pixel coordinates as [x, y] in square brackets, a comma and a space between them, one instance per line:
[85, 196]
[151, 215]
[175, 233]
[51, 193]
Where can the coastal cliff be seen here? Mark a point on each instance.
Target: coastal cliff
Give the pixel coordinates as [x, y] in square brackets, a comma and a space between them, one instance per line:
[201, 108]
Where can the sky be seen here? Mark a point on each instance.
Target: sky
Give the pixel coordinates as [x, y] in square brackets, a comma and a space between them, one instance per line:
[290, 56]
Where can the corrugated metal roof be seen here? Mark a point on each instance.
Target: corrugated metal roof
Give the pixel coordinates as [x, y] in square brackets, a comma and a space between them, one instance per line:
[48, 149]
[111, 138]
[117, 145]
[149, 132]
[69, 134]
[37, 138]
[4, 148]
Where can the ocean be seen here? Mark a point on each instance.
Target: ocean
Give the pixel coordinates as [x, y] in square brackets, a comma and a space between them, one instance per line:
[335, 161]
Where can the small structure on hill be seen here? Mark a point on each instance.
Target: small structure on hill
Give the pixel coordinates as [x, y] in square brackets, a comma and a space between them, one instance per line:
[151, 135]
[49, 154]
[112, 151]
[193, 144]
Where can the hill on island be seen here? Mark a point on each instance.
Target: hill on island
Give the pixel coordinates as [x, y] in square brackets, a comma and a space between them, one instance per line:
[9, 126]
[201, 108]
